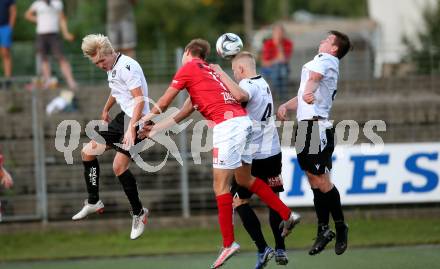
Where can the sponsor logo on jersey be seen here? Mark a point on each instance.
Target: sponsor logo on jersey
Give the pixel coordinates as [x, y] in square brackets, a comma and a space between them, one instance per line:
[128, 67]
[228, 98]
[275, 181]
[113, 73]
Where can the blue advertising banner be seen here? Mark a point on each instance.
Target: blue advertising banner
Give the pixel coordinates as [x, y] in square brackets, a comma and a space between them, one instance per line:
[391, 173]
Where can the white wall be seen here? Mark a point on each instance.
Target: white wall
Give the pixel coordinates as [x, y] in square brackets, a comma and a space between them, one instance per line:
[396, 19]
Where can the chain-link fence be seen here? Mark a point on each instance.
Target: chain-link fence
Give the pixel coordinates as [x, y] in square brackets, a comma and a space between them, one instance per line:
[48, 188]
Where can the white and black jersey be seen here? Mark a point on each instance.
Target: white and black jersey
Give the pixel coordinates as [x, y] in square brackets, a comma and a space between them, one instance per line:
[265, 145]
[125, 76]
[265, 140]
[328, 66]
[315, 135]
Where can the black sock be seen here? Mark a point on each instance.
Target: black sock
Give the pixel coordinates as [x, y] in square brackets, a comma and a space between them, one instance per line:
[91, 175]
[333, 201]
[130, 188]
[321, 208]
[252, 225]
[275, 220]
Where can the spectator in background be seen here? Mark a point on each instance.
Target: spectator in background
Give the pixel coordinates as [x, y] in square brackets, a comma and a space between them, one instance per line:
[5, 180]
[50, 19]
[276, 53]
[121, 26]
[8, 14]
[5, 177]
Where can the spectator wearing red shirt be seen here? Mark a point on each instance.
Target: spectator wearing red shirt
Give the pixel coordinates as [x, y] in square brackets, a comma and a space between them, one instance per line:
[5, 177]
[232, 132]
[275, 57]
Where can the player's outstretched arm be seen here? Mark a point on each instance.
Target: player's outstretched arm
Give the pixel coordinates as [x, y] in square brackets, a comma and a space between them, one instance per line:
[175, 118]
[238, 93]
[292, 104]
[161, 106]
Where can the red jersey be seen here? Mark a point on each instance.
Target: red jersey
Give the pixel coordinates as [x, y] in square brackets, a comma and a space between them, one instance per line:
[270, 50]
[208, 94]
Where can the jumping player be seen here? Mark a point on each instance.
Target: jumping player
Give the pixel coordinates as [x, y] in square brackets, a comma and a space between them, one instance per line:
[254, 92]
[315, 136]
[232, 132]
[129, 89]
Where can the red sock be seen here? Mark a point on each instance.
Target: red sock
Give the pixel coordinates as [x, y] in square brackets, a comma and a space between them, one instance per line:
[224, 205]
[270, 198]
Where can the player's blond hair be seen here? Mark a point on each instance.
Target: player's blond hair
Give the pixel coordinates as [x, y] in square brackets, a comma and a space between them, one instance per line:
[246, 56]
[96, 45]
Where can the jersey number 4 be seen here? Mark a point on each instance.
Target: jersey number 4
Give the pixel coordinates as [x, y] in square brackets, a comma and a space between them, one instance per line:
[267, 112]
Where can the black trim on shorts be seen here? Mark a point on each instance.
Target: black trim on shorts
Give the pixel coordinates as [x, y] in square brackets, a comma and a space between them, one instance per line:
[320, 160]
[269, 170]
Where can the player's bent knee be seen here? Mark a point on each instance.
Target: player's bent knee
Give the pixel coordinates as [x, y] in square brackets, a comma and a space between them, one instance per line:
[85, 156]
[86, 152]
[323, 184]
[318, 181]
[120, 164]
[245, 182]
[119, 168]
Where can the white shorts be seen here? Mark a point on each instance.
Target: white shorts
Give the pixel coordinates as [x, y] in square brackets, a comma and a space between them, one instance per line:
[231, 140]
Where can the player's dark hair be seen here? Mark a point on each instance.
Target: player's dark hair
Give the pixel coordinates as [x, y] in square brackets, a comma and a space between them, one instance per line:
[342, 42]
[198, 48]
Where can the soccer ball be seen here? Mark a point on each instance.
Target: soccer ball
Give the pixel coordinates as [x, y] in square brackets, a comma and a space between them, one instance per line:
[228, 45]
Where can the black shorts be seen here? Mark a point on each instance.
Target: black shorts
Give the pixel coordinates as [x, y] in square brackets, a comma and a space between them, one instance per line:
[269, 170]
[115, 133]
[49, 43]
[314, 152]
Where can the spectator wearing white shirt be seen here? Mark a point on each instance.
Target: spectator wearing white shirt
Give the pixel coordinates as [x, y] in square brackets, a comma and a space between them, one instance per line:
[50, 20]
